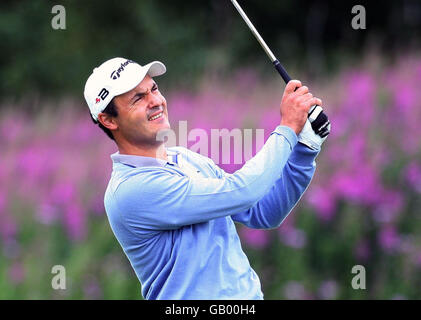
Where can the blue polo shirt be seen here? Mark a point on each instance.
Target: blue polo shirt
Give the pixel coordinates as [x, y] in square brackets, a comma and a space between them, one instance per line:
[175, 219]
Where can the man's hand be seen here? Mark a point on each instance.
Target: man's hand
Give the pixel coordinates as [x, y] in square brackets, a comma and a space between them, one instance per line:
[296, 104]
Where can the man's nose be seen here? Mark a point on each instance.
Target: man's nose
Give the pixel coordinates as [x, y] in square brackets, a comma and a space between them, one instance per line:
[154, 100]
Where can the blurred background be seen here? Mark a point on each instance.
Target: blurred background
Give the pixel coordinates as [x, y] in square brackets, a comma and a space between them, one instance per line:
[362, 207]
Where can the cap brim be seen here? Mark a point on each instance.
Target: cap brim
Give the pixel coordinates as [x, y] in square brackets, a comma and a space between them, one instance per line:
[153, 69]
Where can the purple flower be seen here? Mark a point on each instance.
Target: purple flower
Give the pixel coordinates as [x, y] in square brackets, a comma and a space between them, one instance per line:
[3, 202]
[323, 201]
[245, 80]
[388, 239]
[84, 131]
[269, 120]
[8, 227]
[407, 244]
[74, 220]
[11, 248]
[12, 127]
[180, 105]
[254, 238]
[359, 102]
[16, 273]
[418, 69]
[292, 237]
[328, 290]
[412, 174]
[63, 193]
[341, 125]
[361, 186]
[294, 290]
[417, 259]
[405, 98]
[362, 250]
[47, 213]
[92, 289]
[97, 205]
[389, 206]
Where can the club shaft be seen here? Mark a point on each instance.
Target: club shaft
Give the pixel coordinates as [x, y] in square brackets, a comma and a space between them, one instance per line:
[319, 124]
[254, 31]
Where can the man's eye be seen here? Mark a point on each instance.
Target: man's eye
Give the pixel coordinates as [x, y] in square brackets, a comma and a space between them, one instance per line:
[137, 99]
[154, 88]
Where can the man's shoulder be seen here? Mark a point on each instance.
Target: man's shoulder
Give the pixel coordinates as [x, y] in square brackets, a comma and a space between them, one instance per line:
[127, 175]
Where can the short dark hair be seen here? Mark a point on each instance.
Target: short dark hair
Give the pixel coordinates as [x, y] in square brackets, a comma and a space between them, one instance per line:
[111, 110]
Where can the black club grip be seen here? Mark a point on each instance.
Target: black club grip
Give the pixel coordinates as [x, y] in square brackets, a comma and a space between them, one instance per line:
[320, 125]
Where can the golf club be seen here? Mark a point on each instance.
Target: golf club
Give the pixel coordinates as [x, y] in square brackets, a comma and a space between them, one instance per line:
[318, 119]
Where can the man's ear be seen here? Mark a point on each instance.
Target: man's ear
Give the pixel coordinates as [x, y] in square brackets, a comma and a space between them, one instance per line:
[107, 121]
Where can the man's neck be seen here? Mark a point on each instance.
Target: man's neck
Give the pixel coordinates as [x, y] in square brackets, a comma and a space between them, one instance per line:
[154, 152]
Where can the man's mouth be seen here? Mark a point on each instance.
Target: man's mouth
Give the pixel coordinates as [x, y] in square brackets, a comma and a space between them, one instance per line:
[156, 116]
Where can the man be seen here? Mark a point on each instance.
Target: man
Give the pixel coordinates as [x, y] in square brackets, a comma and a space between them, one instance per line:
[173, 210]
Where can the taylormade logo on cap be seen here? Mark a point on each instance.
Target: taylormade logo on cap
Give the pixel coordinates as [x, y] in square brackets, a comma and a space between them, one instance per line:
[114, 77]
[116, 74]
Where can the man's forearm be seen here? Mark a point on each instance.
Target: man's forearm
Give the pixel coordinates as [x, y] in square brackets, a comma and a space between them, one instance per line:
[275, 206]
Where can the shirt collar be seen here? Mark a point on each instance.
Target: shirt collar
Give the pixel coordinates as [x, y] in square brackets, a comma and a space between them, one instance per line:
[141, 161]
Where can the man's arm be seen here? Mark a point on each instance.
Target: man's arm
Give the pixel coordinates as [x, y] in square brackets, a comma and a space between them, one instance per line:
[157, 199]
[275, 206]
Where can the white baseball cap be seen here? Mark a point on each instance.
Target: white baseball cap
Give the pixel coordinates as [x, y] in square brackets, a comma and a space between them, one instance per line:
[114, 77]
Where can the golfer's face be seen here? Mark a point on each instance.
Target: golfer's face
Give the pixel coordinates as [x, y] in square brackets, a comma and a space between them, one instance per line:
[142, 112]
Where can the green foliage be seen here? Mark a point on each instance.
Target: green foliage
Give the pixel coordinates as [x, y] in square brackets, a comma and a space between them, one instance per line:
[190, 37]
